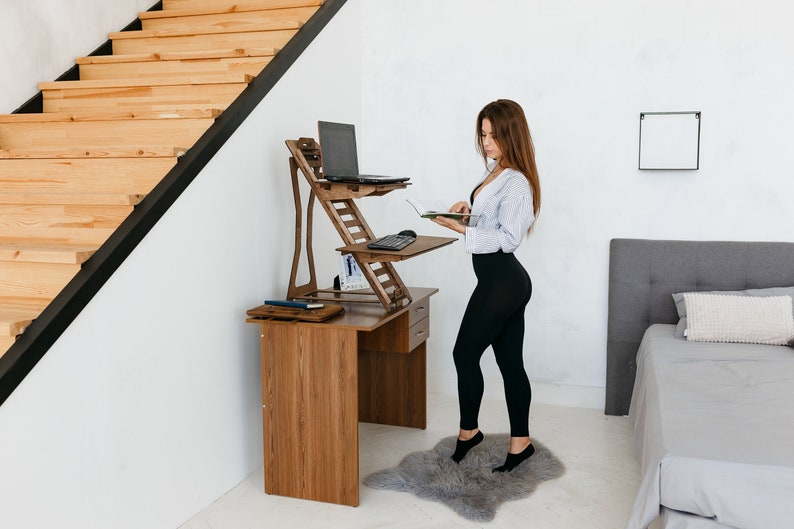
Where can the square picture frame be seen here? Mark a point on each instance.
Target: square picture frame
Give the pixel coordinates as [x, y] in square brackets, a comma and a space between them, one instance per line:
[670, 141]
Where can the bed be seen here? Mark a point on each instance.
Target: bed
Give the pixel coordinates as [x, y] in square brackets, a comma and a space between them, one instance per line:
[713, 422]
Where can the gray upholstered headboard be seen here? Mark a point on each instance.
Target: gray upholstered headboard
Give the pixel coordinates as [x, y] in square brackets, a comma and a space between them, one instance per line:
[643, 275]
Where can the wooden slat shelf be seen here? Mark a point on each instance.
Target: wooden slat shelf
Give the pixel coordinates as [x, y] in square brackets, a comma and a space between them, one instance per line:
[423, 244]
[337, 190]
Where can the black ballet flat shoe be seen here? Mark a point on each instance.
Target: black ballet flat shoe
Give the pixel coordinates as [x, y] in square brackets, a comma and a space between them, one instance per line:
[513, 460]
[462, 447]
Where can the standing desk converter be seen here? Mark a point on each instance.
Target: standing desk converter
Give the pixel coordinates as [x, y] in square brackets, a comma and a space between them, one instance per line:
[319, 379]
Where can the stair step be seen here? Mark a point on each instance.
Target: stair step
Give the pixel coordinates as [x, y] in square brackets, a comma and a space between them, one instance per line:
[166, 43]
[100, 135]
[151, 82]
[224, 18]
[177, 68]
[15, 315]
[235, 5]
[25, 218]
[63, 225]
[5, 343]
[53, 253]
[71, 198]
[49, 117]
[108, 151]
[141, 98]
[129, 176]
[35, 280]
[278, 25]
[57, 235]
[183, 56]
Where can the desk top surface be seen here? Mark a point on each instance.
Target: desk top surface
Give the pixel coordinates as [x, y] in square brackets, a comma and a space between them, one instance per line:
[361, 316]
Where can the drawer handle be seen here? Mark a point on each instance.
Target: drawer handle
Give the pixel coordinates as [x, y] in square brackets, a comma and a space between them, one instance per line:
[420, 309]
[420, 333]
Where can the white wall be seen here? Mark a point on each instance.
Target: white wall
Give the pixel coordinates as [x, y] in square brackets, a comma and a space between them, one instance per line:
[583, 71]
[148, 407]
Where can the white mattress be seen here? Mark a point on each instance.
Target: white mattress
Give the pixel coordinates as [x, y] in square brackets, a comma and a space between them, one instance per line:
[714, 430]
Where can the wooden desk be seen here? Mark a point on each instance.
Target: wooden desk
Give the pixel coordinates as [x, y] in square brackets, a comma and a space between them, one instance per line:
[320, 379]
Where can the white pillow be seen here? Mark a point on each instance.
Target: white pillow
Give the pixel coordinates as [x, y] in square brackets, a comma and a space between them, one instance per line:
[739, 319]
[678, 298]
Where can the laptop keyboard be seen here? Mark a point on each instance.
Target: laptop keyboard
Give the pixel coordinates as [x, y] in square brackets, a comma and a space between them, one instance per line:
[391, 242]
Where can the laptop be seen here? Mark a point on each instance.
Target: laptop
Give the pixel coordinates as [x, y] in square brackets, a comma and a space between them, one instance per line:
[340, 157]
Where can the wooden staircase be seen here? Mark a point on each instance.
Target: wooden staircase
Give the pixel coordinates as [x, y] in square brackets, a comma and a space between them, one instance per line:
[71, 175]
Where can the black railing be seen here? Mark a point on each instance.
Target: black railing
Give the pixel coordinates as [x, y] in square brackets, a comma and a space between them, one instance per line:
[34, 343]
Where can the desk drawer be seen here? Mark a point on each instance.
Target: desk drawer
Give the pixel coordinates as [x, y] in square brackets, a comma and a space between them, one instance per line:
[402, 334]
[419, 311]
[418, 333]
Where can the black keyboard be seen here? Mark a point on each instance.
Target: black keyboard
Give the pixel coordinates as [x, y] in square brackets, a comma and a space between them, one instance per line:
[391, 242]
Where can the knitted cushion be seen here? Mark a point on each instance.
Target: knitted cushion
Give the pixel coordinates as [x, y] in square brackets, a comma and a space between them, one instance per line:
[739, 319]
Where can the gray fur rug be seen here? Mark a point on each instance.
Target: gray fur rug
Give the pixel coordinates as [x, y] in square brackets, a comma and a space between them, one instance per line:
[469, 488]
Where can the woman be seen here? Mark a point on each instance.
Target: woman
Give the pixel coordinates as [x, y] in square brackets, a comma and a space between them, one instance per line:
[507, 200]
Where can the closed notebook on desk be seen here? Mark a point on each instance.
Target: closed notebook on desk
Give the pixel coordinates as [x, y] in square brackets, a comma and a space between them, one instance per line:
[293, 313]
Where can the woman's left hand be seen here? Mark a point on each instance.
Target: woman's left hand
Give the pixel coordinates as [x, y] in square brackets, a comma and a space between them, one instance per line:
[452, 224]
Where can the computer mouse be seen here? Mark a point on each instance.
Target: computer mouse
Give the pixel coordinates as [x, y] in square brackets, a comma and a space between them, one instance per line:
[409, 233]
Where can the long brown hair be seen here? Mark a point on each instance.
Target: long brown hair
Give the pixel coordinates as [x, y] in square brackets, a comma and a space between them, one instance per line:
[511, 133]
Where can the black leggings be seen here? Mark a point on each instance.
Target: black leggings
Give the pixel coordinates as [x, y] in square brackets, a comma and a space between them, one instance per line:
[495, 317]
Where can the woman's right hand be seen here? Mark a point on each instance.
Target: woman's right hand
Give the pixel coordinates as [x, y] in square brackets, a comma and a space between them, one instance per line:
[460, 207]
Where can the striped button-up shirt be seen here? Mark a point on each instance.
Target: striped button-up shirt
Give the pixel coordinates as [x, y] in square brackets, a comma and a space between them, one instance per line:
[505, 214]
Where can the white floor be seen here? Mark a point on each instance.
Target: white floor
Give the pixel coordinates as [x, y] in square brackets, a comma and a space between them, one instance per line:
[597, 490]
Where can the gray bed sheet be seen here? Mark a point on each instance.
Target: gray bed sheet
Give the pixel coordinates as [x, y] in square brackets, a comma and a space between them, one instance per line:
[681, 520]
[714, 431]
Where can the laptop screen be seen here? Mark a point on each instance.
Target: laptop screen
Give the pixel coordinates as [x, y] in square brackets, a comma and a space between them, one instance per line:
[338, 144]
